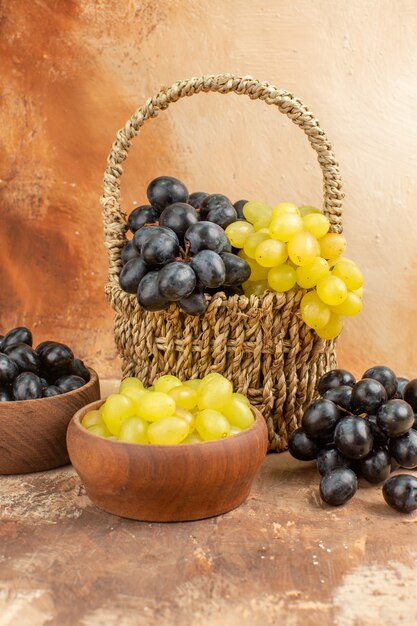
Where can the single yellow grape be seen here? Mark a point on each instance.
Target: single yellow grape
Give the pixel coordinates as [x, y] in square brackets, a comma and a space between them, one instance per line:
[257, 271]
[358, 292]
[116, 409]
[184, 396]
[192, 438]
[262, 222]
[100, 429]
[309, 275]
[214, 392]
[168, 431]
[135, 394]
[234, 430]
[254, 210]
[284, 226]
[303, 248]
[285, 207]
[317, 224]
[212, 424]
[187, 416]
[130, 383]
[253, 241]
[332, 329]
[282, 278]
[305, 209]
[351, 306]
[271, 252]
[238, 411]
[194, 383]
[332, 290]
[255, 288]
[134, 430]
[166, 383]
[350, 273]
[332, 245]
[238, 232]
[156, 405]
[314, 312]
[91, 418]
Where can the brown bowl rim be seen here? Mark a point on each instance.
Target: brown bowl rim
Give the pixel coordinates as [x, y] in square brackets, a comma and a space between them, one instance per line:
[68, 394]
[76, 420]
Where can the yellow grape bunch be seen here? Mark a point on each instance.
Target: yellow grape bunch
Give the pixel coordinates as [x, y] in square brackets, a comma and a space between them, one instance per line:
[290, 247]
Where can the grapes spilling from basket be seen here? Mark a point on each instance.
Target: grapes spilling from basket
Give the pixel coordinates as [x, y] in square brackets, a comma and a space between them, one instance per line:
[28, 373]
[171, 411]
[179, 251]
[290, 247]
[364, 428]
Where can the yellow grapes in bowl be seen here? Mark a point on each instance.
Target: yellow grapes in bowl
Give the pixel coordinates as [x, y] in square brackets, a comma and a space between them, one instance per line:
[289, 247]
[171, 412]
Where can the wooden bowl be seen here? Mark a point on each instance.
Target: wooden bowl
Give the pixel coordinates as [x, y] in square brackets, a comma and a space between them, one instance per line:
[33, 432]
[163, 483]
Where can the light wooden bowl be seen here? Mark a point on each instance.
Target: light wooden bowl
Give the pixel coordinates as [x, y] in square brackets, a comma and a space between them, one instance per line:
[33, 432]
[162, 483]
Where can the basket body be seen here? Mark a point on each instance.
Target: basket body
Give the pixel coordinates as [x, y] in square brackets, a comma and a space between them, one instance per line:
[259, 343]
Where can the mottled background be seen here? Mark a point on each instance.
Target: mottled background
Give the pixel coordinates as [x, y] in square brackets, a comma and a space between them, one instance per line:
[73, 71]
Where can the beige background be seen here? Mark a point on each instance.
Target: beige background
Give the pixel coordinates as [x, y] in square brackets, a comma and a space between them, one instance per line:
[74, 71]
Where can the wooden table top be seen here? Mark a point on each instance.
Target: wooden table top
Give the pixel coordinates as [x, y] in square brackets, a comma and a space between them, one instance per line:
[281, 558]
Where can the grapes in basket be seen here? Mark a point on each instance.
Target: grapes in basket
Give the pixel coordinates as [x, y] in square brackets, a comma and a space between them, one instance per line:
[171, 411]
[28, 373]
[365, 428]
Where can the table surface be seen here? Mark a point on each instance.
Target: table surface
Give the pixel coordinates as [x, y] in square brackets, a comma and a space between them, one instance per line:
[281, 558]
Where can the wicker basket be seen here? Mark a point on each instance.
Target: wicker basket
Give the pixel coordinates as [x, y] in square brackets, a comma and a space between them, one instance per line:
[259, 343]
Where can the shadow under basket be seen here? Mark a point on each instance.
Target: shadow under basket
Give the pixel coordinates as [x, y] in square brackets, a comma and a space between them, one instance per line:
[261, 343]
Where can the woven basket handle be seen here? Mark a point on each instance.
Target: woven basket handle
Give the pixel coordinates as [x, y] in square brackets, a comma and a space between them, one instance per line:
[113, 216]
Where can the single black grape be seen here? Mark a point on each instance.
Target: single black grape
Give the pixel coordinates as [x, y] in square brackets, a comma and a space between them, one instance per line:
[142, 215]
[206, 236]
[146, 232]
[24, 357]
[380, 438]
[385, 376]
[395, 417]
[367, 396]
[6, 395]
[353, 437]
[237, 270]
[178, 217]
[218, 209]
[338, 486]
[401, 384]
[400, 492]
[404, 449]
[8, 369]
[329, 458]
[51, 391]
[320, 418]
[376, 467]
[69, 382]
[335, 378]
[131, 274]
[194, 304]
[20, 334]
[239, 204]
[27, 386]
[149, 296]
[78, 368]
[129, 252]
[341, 396]
[159, 250]
[41, 346]
[166, 190]
[301, 447]
[410, 394]
[56, 359]
[44, 383]
[176, 280]
[209, 268]
[196, 198]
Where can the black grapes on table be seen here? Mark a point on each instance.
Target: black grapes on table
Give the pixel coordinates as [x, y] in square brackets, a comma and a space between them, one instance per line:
[28, 373]
[365, 428]
[179, 251]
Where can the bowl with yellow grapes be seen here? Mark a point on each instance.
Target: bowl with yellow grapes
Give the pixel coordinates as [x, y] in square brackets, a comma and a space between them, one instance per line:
[176, 451]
